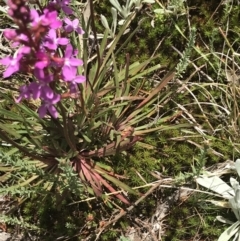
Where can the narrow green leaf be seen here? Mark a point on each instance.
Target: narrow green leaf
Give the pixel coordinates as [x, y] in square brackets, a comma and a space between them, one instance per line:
[118, 141]
[114, 24]
[10, 114]
[143, 73]
[161, 128]
[104, 42]
[5, 177]
[104, 166]
[116, 78]
[86, 138]
[10, 130]
[115, 41]
[7, 169]
[163, 83]
[119, 183]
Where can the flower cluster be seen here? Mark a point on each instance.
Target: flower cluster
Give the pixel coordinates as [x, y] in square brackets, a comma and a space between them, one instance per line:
[38, 40]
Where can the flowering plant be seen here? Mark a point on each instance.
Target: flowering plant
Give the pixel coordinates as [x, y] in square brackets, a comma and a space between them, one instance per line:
[38, 40]
[103, 116]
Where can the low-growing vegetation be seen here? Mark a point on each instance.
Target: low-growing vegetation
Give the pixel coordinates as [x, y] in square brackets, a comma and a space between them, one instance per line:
[119, 120]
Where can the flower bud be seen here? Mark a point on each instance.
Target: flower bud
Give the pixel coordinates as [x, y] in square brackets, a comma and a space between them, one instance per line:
[10, 34]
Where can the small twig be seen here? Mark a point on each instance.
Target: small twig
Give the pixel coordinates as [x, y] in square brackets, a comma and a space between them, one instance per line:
[148, 185]
[158, 46]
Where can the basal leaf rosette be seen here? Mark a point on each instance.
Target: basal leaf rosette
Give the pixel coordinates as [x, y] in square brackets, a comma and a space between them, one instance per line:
[83, 119]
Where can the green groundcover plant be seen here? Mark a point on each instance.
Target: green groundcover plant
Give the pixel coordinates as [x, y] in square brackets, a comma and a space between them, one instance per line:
[77, 107]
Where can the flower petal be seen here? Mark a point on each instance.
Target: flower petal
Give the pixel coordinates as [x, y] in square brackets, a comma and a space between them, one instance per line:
[47, 92]
[52, 34]
[10, 70]
[75, 62]
[53, 111]
[41, 64]
[68, 28]
[75, 23]
[63, 41]
[67, 10]
[68, 51]
[69, 73]
[42, 111]
[6, 60]
[80, 79]
[10, 34]
[79, 31]
[68, 21]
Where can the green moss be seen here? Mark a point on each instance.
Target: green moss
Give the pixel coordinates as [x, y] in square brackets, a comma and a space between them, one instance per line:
[55, 220]
[184, 225]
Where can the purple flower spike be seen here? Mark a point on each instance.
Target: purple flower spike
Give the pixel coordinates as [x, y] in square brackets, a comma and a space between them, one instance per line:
[12, 64]
[69, 69]
[48, 105]
[52, 41]
[72, 26]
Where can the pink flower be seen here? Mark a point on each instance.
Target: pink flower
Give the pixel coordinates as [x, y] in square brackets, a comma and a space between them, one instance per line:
[69, 69]
[48, 18]
[48, 106]
[12, 63]
[43, 60]
[77, 80]
[36, 90]
[25, 93]
[63, 4]
[52, 42]
[72, 26]
[42, 89]
[10, 34]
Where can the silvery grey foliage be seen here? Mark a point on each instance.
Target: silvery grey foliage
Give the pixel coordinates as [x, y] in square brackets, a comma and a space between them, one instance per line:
[232, 193]
[123, 12]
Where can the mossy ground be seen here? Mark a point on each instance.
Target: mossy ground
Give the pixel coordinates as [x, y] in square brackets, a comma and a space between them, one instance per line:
[174, 151]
